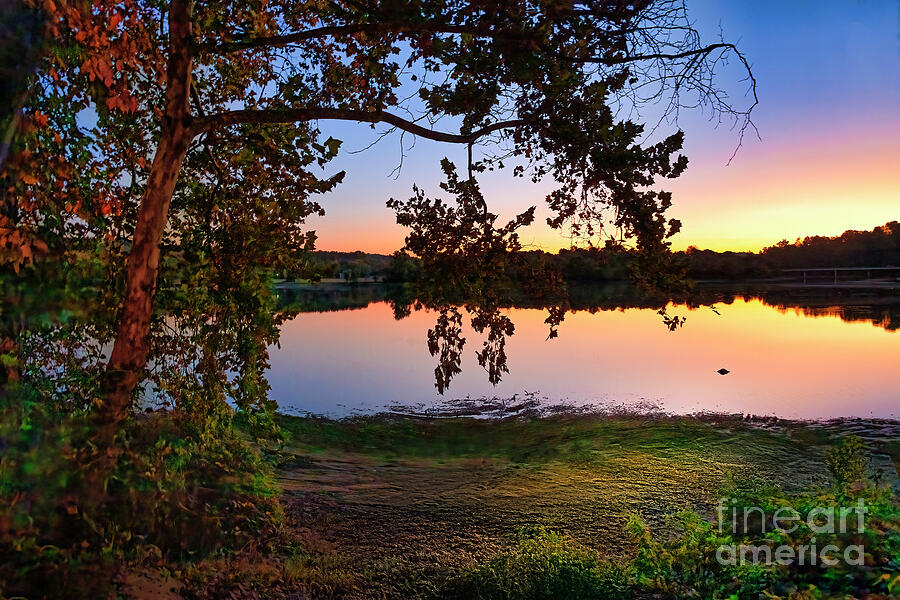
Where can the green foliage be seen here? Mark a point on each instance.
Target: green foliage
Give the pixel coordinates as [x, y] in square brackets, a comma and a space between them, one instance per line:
[527, 438]
[678, 561]
[847, 461]
[175, 493]
[686, 566]
[544, 565]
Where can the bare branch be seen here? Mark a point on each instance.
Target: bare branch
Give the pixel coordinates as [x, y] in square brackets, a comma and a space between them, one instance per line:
[621, 60]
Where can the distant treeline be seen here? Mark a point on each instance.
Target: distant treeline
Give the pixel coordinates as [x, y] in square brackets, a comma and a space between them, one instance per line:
[347, 265]
[879, 247]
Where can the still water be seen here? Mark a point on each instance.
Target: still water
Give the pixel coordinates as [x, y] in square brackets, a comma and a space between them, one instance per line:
[789, 361]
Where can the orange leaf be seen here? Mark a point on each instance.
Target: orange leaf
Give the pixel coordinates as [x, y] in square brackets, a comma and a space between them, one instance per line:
[40, 246]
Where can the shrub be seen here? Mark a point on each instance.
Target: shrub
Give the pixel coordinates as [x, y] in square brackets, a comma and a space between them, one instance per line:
[544, 565]
[686, 565]
[176, 493]
[847, 461]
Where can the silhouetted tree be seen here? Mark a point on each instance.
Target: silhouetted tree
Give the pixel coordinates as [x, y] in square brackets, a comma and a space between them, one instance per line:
[177, 133]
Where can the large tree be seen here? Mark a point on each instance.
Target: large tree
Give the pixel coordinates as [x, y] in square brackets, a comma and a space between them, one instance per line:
[147, 121]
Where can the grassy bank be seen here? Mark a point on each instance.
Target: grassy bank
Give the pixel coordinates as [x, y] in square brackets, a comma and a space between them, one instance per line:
[411, 507]
[564, 506]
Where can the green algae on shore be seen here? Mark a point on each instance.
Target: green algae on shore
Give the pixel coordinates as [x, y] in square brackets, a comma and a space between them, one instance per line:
[409, 501]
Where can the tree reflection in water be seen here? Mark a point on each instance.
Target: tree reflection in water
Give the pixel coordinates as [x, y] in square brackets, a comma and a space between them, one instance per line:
[447, 342]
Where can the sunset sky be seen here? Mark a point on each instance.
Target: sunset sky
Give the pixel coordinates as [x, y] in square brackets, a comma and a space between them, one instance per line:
[828, 159]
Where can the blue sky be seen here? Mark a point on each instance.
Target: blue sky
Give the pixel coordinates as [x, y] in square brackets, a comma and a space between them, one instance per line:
[828, 158]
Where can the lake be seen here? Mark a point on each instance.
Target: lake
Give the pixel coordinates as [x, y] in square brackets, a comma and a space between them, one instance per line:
[808, 354]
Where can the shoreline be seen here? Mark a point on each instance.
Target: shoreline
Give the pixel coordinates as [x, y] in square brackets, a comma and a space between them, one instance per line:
[879, 436]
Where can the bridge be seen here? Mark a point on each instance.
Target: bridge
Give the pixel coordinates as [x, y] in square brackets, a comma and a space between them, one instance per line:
[885, 271]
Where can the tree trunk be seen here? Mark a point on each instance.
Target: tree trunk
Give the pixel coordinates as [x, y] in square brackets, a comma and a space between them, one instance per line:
[132, 344]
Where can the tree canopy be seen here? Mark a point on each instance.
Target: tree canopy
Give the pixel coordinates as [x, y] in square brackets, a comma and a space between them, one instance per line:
[159, 161]
[178, 147]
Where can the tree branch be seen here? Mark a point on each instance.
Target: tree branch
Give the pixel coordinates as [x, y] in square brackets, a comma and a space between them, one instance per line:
[293, 115]
[277, 41]
[639, 57]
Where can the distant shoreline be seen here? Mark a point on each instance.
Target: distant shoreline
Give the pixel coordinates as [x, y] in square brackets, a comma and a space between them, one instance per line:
[873, 284]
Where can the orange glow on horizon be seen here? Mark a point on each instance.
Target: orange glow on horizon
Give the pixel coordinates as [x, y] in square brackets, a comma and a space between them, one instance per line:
[822, 184]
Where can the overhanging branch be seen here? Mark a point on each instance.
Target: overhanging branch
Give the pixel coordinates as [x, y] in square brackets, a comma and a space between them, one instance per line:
[277, 41]
[293, 115]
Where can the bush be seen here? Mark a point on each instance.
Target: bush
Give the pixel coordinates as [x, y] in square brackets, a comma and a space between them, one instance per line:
[687, 566]
[847, 461]
[544, 565]
[176, 493]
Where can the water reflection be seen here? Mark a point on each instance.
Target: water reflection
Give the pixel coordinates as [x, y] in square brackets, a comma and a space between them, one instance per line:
[881, 308]
[612, 348]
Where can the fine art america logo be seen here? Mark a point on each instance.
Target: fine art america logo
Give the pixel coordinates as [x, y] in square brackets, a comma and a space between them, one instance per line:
[826, 521]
